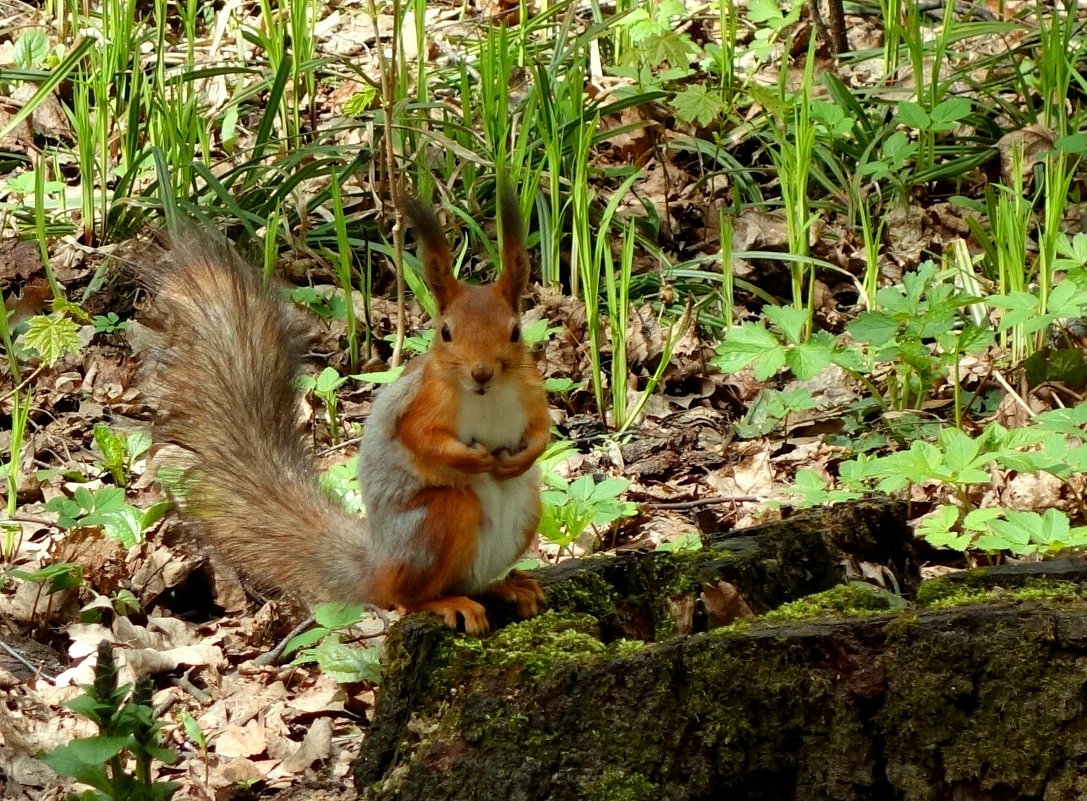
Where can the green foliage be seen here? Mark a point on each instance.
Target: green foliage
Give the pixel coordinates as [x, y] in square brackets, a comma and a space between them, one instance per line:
[342, 480]
[120, 450]
[685, 543]
[944, 117]
[769, 351]
[52, 336]
[995, 529]
[571, 509]
[127, 731]
[330, 305]
[323, 644]
[770, 408]
[324, 386]
[55, 577]
[696, 103]
[914, 338]
[31, 49]
[108, 323]
[962, 466]
[107, 508]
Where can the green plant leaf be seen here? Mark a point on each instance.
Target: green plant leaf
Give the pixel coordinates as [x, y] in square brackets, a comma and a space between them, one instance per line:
[31, 49]
[112, 446]
[123, 525]
[873, 328]
[790, 320]
[912, 115]
[338, 615]
[809, 359]
[328, 381]
[698, 104]
[83, 759]
[939, 529]
[760, 12]
[960, 451]
[949, 112]
[306, 639]
[52, 336]
[748, 343]
[348, 665]
[610, 488]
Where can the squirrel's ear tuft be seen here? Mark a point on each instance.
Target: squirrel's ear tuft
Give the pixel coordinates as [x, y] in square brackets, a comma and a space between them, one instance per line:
[434, 251]
[514, 279]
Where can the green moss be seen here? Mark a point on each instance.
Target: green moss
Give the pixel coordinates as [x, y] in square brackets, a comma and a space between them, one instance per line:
[531, 647]
[902, 625]
[741, 626]
[588, 593]
[934, 590]
[615, 785]
[944, 594]
[847, 600]
[537, 644]
[971, 701]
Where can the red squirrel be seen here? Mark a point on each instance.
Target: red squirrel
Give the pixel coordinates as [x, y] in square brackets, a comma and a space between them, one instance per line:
[447, 459]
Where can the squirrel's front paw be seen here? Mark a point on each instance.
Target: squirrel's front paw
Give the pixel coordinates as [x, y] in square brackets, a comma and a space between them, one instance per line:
[511, 464]
[482, 460]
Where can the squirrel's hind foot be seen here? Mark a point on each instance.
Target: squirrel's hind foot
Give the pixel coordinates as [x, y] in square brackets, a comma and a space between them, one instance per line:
[449, 607]
[520, 589]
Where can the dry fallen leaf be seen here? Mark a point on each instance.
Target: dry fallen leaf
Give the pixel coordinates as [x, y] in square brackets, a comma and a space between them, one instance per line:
[724, 604]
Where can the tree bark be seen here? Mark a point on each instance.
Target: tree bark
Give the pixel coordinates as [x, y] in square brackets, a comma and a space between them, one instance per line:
[600, 699]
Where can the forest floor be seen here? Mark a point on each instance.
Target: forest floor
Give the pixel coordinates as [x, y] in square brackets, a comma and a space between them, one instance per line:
[708, 453]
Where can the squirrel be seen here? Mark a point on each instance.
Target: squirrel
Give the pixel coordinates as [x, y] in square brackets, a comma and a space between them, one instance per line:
[447, 458]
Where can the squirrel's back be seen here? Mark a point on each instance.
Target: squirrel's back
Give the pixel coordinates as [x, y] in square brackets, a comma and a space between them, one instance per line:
[222, 378]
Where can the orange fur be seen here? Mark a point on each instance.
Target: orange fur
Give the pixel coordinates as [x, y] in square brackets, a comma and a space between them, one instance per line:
[448, 535]
[428, 432]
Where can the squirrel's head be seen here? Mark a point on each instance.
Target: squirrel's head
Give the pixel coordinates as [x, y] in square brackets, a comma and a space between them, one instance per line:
[477, 337]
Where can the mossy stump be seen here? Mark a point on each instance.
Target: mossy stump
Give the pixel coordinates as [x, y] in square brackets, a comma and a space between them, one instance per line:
[980, 701]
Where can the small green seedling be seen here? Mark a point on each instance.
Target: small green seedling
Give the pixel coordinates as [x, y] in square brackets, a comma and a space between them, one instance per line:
[324, 386]
[324, 645]
[108, 323]
[684, 543]
[342, 480]
[120, 450]
[51, 336]
[330, 305]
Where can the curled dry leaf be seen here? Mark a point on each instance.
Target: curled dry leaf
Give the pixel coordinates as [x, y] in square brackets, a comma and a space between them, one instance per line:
[724, 604]
[1021, 150]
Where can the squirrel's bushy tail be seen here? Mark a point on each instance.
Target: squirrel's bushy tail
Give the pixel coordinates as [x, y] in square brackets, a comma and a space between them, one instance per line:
[222, 380]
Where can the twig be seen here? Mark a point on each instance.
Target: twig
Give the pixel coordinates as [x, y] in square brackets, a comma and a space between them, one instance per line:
[38, 521]
[22, 660]
[273, 656]
[24, 382]
[186, 685]
[712, 501]
[1015, 395]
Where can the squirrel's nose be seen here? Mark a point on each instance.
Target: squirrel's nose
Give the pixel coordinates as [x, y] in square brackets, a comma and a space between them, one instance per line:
[482, 373]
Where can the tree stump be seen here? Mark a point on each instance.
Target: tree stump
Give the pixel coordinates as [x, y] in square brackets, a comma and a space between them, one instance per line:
[608, 696]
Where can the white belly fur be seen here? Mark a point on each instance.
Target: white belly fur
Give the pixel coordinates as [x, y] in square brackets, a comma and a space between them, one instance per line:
[498, 421]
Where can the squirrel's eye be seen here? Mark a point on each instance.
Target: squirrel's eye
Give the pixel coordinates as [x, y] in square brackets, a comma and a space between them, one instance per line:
[515, 333]
[447, 335]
